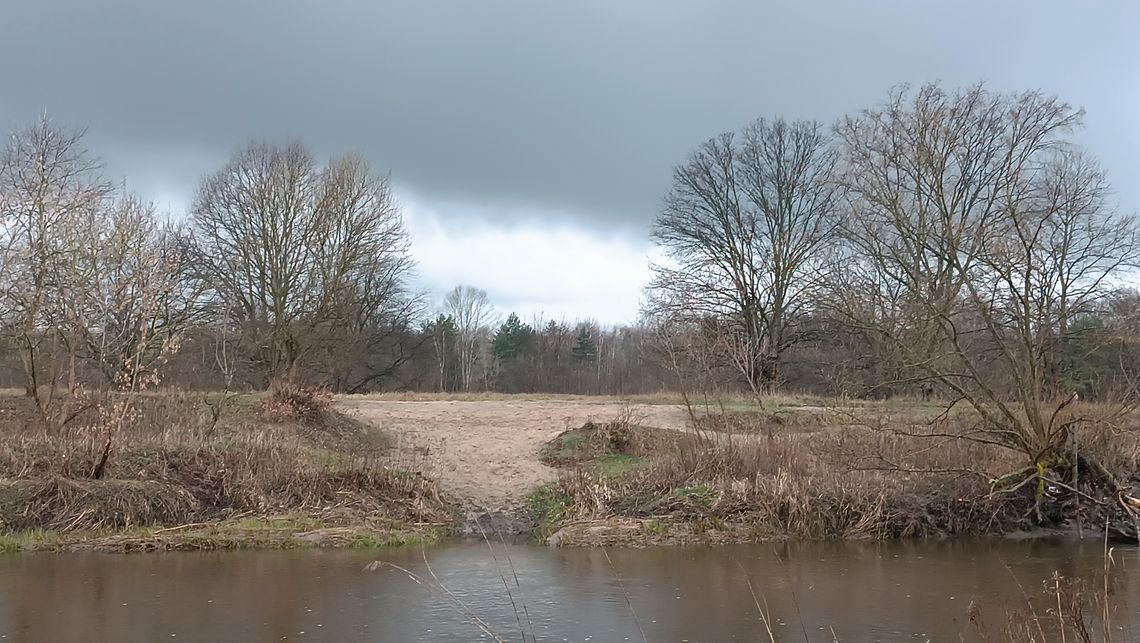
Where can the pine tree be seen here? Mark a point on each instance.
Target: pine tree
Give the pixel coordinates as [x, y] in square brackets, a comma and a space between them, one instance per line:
[512, 339]
[584, 348]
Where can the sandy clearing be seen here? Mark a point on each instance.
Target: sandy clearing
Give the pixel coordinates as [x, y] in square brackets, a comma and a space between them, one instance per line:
[486, 452]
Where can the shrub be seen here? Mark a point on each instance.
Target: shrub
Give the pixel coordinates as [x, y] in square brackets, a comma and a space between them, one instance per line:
[288, 400]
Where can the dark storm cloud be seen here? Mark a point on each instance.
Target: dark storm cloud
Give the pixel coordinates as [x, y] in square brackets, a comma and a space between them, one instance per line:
[574, 107]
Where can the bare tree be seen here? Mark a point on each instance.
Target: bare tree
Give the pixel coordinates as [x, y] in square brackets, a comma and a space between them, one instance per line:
[301, 253]
[126, 302]
[129, 295]
[743, 227]
[977, 235]
[95, 284]
[443, 338]
[48, 184]
[473, 315]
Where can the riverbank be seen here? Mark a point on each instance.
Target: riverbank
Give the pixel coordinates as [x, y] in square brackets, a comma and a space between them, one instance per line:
[274, 532]
[193, 471]
[303, 470]
[871, 471]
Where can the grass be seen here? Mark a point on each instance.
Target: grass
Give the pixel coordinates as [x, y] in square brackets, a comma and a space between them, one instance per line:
[701, 495]
[29, 540]
[254, 479]
[479, 396]
[609, 448]
[616, 464]
[548, 505]
[865, 471]
[656, 527]
[277, 532]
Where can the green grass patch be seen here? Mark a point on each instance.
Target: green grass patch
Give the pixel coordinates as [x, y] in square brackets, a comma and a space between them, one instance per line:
[30, 540]
[571, 448]
[325, 458]
[397, 538]
[548, 506]
[274, 523]
[655, 527]
[288, 532]
[615, 464]
[609, 449]
[699, 494]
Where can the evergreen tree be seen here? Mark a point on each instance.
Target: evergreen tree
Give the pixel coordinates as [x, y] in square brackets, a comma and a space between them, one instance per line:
[584, 348]
[512, 339]
[1081, 353]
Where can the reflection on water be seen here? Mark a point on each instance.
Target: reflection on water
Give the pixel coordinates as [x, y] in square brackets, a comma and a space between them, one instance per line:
[864, 591]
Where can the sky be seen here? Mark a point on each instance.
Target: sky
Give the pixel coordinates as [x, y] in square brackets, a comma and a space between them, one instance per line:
[530, 141]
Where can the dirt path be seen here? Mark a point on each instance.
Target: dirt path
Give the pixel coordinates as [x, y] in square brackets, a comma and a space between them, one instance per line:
[486, 452]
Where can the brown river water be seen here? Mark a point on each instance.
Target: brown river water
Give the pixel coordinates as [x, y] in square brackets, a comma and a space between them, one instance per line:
[861, 591]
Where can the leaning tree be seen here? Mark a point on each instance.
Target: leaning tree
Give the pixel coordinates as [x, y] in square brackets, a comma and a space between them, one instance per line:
[978, 235]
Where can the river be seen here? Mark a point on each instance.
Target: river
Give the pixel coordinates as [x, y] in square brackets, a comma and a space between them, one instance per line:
[910, 591]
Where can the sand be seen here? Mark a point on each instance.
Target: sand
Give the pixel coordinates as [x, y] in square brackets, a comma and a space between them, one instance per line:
[485, 453]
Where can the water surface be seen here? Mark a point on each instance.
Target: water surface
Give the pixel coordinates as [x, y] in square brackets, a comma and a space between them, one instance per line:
[862, 591]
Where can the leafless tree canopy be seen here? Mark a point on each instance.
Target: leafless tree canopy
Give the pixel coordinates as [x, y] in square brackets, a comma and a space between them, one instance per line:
[301, 253]
[953, 243]
[95, 285]
[978, 235]
[744, 227]
[472, 315]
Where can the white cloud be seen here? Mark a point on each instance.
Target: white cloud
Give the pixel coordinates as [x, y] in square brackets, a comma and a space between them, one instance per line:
[553, 270]
[527, 266]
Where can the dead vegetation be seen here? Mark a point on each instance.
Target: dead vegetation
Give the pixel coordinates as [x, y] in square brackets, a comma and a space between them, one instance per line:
[595, 441]
[846, 472]
[174, 465]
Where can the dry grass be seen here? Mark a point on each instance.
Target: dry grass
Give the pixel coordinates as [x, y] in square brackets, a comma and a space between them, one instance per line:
[870, 471]
[171, 464]
[731, 401]
[592, 442]
[475, 396]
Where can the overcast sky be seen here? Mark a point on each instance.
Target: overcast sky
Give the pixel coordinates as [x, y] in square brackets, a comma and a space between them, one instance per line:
[531, 141]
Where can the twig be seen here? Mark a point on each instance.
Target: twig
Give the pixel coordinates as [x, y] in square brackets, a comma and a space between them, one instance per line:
[628, 600]
[763, 611]
[1060, 612]
[1077, 476]
[416, 578]
[518, 586]
[499, 570]
[795, 600]
[1019, 485]
[466, 610]
[1028, 601]
[181, 527]
[1094, 499]
[1105, 621]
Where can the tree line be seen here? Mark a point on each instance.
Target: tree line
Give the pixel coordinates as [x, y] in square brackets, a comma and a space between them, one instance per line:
[285, 268]
[952, 243]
